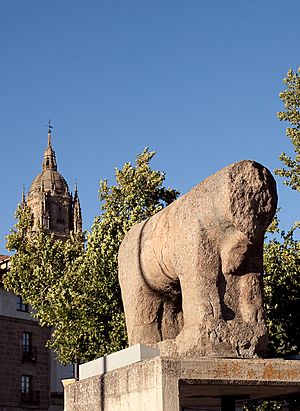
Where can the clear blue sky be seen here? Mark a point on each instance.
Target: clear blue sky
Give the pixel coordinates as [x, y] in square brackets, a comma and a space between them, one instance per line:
[195, 80]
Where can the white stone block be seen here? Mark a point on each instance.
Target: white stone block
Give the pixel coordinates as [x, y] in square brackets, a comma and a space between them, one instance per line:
[131, 355]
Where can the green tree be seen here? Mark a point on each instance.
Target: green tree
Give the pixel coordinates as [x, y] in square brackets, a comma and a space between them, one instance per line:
[291, 100]
[282, 254]
[282, 293]
[282, 302]
[77, 291]
[264, 406]
[44, 272]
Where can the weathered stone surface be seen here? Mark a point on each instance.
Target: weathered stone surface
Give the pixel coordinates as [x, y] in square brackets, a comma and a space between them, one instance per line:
[173, 384]
[191, 275]
[134, 387]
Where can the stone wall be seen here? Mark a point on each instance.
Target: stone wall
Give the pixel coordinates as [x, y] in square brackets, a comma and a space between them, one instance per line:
[136, 387]
[13, 365]
[172, 384]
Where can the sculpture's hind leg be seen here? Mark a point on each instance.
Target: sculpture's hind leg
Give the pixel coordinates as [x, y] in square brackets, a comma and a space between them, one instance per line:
[143, 307]
[143, 310]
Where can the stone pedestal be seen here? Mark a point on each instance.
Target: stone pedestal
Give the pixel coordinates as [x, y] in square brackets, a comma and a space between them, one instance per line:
[173, 384]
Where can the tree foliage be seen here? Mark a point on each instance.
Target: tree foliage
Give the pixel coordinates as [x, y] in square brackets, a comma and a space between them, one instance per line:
[282, 303]
[282, 255]
[282, 293]
[75, 290]
[44, 272]
[291, 99]
[282, 252]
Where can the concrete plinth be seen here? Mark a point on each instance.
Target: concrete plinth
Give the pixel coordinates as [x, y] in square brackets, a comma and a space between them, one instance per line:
[172, 384]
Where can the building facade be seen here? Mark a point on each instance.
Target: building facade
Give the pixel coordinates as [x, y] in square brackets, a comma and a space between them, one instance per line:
[30, 376]
[25, 362]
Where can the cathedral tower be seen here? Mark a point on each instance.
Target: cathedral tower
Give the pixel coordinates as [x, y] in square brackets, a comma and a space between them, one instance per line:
[53, 207]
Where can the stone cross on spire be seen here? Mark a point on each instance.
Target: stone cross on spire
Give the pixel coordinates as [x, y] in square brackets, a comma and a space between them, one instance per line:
[49, 132]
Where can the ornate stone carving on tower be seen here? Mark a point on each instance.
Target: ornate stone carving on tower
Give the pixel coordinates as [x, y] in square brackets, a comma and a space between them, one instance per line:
[53, 207]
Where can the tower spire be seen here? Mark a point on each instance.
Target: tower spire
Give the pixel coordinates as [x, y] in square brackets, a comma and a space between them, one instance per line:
[49, 161]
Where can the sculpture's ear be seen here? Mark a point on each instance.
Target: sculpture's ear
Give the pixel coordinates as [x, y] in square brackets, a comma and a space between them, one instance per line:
[234, 248]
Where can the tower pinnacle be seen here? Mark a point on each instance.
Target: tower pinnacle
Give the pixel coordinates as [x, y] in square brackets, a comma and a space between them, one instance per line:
[77, 217]
[23, 201]
[49, 161]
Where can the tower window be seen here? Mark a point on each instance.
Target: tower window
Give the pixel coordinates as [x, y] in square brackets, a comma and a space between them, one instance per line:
[21, 306]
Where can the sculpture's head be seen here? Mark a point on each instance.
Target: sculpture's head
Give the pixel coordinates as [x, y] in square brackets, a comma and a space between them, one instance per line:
[253, 198]
[250, 198]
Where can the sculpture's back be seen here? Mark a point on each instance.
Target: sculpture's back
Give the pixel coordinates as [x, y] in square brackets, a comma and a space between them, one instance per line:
[191, 275]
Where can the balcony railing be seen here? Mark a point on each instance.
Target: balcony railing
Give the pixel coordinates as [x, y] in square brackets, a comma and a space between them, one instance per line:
[32, 398]
[29, 354]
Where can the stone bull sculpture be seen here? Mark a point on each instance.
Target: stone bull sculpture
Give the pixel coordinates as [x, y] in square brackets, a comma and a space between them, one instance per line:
[191, 275]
